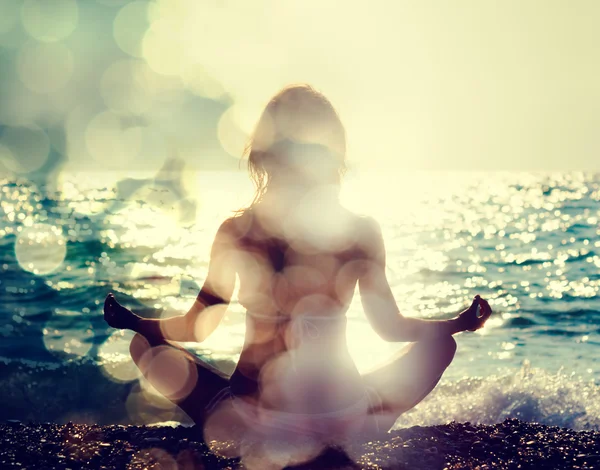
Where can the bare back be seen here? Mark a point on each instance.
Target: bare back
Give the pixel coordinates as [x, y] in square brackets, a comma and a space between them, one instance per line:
[296, 294]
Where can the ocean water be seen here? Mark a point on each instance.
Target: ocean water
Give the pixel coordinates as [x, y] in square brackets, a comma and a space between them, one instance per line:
[527, 242]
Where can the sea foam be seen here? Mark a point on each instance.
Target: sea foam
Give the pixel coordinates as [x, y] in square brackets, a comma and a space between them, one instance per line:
[529, 394]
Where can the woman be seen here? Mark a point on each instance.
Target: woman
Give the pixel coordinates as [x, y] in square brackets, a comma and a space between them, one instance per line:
[298, 255]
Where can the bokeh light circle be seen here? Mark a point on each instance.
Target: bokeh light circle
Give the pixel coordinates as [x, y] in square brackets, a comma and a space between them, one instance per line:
[201, 83]
[110, 142]
[7, 159]
[169, 371]
[49, 20]
[111, 3]
[232, 136]
[129, 27]
[124, 89]
[41, 248]
[146, 407]
[68, 333]
[316, 223]
[10, 13]
[151, 396]
[117, 364]
[163, 49]
[45, 68]
[24, 149]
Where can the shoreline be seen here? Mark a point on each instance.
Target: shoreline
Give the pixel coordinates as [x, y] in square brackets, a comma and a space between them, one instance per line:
[510, 444]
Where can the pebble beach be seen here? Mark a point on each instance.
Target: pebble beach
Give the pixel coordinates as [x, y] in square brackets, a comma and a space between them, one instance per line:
[512, 444]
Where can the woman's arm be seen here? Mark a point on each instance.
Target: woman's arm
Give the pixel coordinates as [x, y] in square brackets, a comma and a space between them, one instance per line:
[380, 305]
[209, 307]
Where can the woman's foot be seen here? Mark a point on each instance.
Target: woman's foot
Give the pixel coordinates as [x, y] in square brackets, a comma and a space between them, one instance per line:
[116, 315]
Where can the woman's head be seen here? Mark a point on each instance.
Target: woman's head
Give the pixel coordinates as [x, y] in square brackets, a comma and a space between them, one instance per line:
[299, 139]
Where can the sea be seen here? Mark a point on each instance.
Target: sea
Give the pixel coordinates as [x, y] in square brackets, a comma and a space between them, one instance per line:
[527, 242]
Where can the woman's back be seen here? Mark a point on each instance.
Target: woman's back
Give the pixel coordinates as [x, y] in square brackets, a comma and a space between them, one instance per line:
[296, 291]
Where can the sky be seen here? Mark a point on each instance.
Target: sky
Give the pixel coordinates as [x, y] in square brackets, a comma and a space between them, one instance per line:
[436, 85]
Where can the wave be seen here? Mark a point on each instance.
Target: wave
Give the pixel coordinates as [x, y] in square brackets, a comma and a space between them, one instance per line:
[529, 394]
[520, 322]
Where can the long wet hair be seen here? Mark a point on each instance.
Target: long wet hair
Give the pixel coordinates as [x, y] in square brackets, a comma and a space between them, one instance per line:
[298, 122]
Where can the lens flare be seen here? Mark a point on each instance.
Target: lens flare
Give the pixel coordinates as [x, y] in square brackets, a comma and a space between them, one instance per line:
[232, 136]
[170, 371]
[225, 430]
[45, 68]
[152, 396]
[10, 13]
[109, 141]
[124, 89]
[163, 49]
[316, 224]
[129, 27]
[25, 149]
[201, 83]
[49, 20]
[143, 407]
[41, 248]
[68, 333]
[117, 364]
[7, 159]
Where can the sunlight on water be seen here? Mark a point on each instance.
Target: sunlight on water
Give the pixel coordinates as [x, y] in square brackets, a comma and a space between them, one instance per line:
[526, 242]
[145, 234]
[82, 198]
[67, 333]
[40, 248]
[121, 125]
[154, 283]
[442, 247]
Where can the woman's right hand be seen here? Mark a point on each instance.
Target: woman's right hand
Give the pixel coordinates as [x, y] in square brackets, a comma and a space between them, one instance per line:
[469, 318]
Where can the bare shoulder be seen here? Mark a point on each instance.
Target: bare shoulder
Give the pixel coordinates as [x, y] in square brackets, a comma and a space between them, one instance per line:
[368, 237]
[228, 231]
[367, 229]
[235, 227]
[369, 225]
[229, 226]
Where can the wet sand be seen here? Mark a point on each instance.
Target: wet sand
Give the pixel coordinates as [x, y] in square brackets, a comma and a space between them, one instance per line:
[512, 444]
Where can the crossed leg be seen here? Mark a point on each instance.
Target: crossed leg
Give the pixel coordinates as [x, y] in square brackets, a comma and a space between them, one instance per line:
[192, 384]
[407, 379]
[180, 376]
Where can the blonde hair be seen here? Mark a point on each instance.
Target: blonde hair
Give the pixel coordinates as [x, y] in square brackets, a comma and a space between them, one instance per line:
[298, 114]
